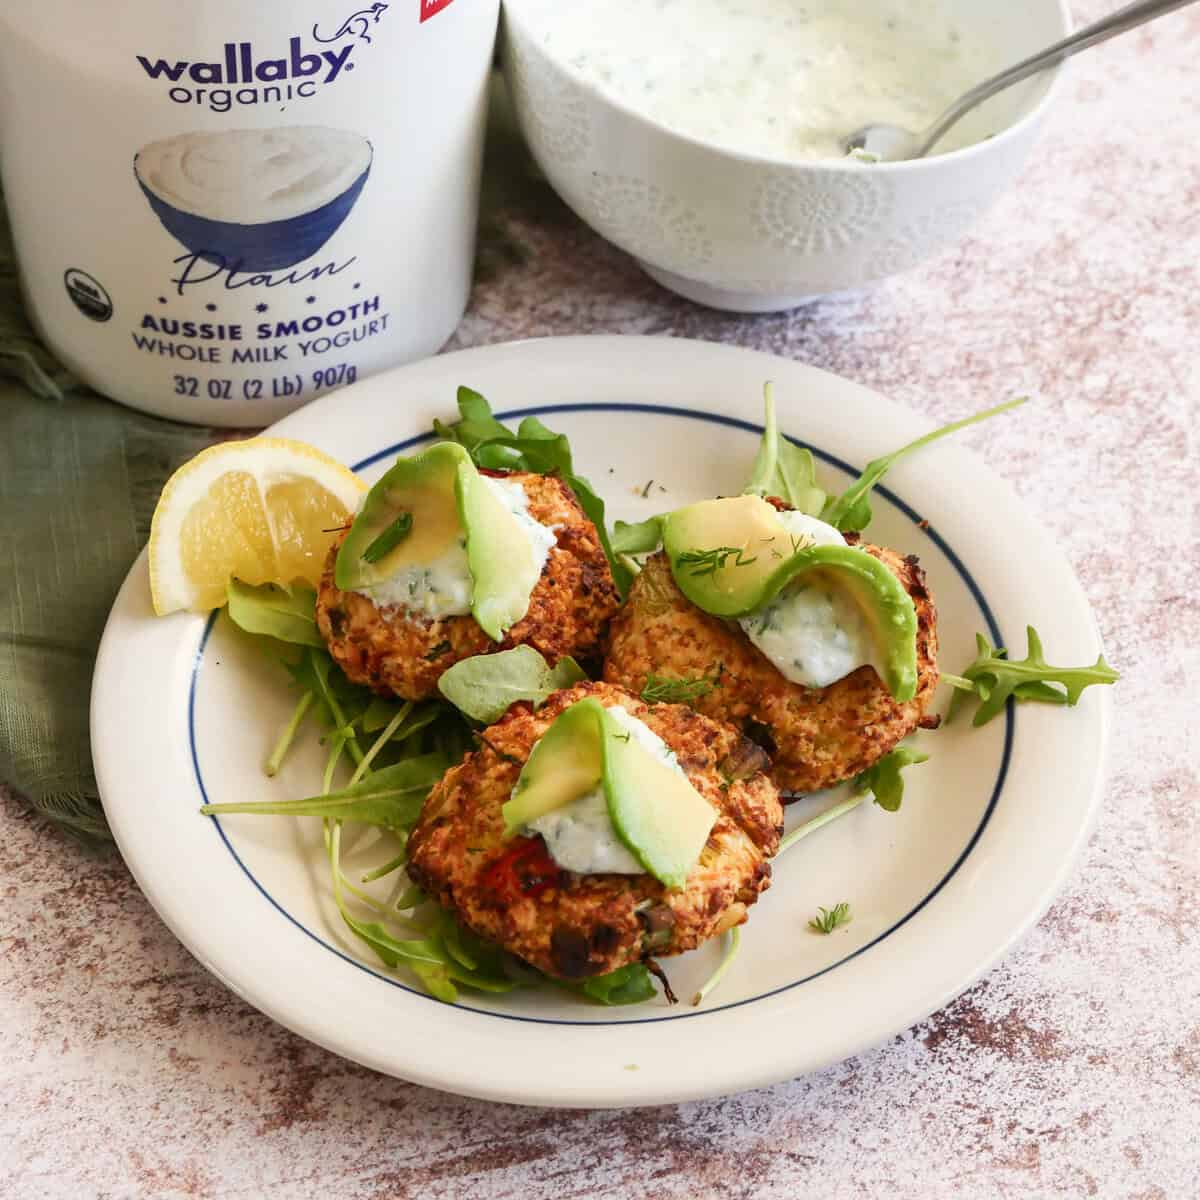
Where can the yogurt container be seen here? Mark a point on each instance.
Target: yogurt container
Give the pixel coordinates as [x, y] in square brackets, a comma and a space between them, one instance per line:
[222, 210]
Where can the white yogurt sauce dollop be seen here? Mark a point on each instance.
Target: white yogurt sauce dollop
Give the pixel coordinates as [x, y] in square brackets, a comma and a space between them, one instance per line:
[250, 176]
[443, 587]
[813, 632]
[782, 78]
[580, 836]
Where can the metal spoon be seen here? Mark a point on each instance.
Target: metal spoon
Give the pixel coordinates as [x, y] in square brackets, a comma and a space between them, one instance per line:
[890, 143]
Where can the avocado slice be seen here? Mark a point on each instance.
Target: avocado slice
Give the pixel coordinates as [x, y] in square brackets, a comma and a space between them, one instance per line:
[731, 557]
[447, 500]
[499, 556]
[567, 762]
[723, 553]
[655, 810]
[424, 487]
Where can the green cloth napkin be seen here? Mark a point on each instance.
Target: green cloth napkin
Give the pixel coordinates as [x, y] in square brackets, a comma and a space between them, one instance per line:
[79, 476]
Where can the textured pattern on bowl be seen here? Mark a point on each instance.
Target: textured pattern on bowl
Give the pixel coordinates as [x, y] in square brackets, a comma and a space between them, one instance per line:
[747, 233]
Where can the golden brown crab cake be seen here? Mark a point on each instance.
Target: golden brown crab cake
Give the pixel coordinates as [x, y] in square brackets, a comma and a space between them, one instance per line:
[574, 926]
[393, 650]
[816, 737]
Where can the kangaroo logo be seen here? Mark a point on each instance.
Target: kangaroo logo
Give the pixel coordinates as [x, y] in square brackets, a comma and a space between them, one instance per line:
[357, 24]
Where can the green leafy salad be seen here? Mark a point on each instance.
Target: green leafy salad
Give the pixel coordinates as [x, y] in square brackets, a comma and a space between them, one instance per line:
[382, 756]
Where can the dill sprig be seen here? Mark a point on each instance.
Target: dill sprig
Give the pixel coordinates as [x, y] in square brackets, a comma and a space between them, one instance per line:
[709, 562]
[389, 539]
[829, 919]
[660, 690]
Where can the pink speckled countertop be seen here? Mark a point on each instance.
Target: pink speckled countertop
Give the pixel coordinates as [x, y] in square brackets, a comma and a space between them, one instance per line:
[1072, 1069]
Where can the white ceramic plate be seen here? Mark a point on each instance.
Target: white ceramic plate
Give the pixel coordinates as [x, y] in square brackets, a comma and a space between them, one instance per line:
[183, 709]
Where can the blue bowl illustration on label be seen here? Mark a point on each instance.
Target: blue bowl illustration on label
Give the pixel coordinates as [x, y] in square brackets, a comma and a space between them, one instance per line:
[254, 200]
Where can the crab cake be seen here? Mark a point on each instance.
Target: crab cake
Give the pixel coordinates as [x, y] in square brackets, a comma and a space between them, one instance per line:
[816, 737]
[571, 925]
[392, 649]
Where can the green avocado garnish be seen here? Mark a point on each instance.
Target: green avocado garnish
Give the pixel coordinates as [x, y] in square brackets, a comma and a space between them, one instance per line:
[418, 510]
[656, 812]
[654, 809]
[731, 557]
[567, 762]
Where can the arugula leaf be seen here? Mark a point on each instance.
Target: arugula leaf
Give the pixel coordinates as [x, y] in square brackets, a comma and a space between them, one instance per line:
[450, 735]
[732, 946]
[380, 743]
[389, 798]
[440, 979]
[840, 809]
[287, 735]
[437, 981]
[851, 511]
[994, 677]
[424, 956]
[475, 426]
[643, 538]
[473, 960]
[392, 951]
[456, 946]
[884, 781]
[388, 868]
[449, 954]
[411, 897]
[483, 687]
[566, 673]
[381, 710]
[446, 955]
[631, 984]
[829, 919]
[286, 614]
[341, 702]
[311, 672]
[532, 427]
[478, 981]
[551, 455]
[782, 468]
[534, 448]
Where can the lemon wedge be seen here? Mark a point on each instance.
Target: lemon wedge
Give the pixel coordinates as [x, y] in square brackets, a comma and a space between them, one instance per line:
[265, 510]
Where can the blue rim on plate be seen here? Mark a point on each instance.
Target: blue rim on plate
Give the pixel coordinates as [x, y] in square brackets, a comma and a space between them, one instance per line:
[690, 414]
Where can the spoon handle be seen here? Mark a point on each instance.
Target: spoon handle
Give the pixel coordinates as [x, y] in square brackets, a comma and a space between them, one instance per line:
[1090, 35]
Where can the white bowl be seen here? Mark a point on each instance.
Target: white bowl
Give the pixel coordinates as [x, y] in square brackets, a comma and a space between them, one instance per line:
[751, 234]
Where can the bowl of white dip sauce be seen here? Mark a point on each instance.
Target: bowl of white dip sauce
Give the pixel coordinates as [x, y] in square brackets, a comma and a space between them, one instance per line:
[704, 136]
